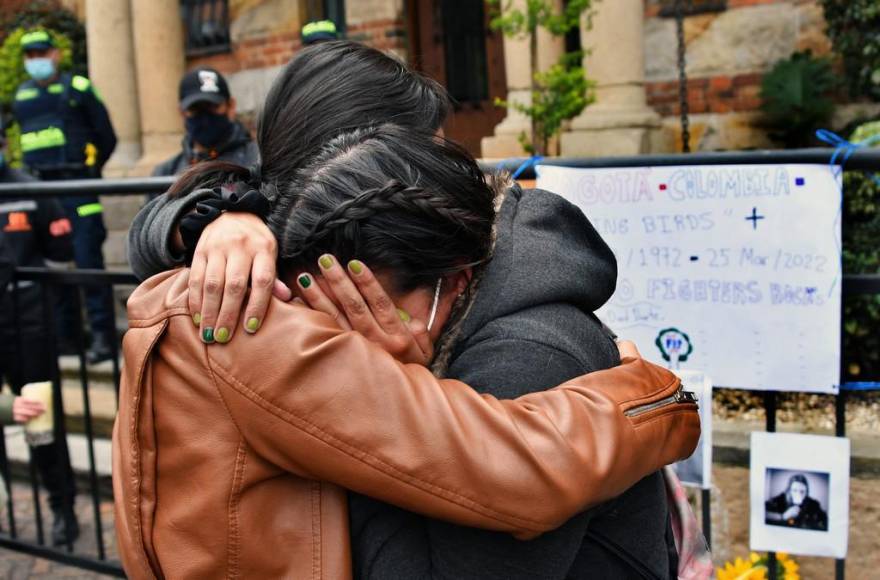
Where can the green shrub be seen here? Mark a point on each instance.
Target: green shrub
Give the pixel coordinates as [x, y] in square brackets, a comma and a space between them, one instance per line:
[559, 93]
[12, 74]
[854, 29]
[796, 98]
[49, 15]
[70, 37]
[861, 255]
[12, 71]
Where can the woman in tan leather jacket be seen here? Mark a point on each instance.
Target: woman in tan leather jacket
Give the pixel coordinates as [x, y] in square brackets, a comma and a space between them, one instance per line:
[227, 460]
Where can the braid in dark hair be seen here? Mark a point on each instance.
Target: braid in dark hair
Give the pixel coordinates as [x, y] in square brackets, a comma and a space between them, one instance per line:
[404, 202]
[394, 196]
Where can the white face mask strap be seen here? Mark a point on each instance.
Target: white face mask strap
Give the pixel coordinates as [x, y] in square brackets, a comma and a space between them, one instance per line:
[436, 303]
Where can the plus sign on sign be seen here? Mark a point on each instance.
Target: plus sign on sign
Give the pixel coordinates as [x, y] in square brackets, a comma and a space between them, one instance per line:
[731, 270]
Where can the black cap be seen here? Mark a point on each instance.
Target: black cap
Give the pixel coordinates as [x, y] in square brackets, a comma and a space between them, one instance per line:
[203, 85]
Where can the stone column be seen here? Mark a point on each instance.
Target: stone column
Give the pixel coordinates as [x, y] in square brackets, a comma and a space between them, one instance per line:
[112, 70]
[517, 64]
[159, 57]
[620, 121]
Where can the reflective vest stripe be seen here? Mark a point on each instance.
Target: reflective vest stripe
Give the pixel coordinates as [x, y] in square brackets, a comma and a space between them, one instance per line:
[27, 94]
[89, 209]
[80, 83]
[56, 89]
[43, 139]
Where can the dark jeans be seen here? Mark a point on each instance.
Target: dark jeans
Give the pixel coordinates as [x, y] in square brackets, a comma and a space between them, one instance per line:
[30, 364]
[88, 237]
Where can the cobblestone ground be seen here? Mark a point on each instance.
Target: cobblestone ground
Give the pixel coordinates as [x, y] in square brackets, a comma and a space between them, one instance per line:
[18, 566]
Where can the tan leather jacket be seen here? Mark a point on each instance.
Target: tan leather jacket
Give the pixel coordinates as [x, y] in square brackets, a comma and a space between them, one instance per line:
[233, 460]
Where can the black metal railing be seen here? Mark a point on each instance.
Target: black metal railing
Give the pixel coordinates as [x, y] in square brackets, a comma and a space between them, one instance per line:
[31, 538]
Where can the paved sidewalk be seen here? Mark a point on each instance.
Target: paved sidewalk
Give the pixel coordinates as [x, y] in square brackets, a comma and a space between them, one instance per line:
[17, 566]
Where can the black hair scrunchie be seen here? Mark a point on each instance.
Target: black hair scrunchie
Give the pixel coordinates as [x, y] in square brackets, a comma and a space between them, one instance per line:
[240, 197]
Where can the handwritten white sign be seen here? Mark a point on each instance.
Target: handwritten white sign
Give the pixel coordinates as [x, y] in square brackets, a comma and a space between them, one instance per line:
[733, 270]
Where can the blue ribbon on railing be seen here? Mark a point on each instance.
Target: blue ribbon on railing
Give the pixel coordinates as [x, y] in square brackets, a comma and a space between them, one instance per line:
[844, 149]
[533, 160]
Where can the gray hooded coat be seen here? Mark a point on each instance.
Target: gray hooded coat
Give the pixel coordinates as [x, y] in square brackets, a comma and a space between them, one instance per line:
[530, 326]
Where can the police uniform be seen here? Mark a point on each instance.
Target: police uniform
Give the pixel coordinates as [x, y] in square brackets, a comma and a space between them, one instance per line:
[66, 134]
[35, 232]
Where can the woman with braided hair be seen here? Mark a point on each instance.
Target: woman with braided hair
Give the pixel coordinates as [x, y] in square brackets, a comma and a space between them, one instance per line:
[420, 213]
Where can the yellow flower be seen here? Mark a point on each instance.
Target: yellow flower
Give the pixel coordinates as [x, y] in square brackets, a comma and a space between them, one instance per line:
[755, 568]
[742, 570]
[789, 567]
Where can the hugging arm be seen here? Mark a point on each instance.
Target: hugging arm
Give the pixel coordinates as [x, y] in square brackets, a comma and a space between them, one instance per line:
[396, 433]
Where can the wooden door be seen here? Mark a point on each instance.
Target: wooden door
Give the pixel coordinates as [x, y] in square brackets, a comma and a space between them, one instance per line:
[453, 44]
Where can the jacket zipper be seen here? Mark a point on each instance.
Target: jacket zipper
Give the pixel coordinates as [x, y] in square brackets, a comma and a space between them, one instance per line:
[677, 398]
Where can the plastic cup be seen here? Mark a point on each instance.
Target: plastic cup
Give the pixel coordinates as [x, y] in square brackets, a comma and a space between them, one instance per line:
[40, 430]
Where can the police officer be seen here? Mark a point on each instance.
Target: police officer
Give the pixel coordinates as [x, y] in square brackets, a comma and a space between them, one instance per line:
[66, 134]
[35, 232]
[208, 112]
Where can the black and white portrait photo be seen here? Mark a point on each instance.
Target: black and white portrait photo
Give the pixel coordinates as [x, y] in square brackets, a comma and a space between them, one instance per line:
[796, 499]
[799, 494]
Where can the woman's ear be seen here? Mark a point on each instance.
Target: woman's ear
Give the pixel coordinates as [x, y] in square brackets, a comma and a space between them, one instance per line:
[460, 280]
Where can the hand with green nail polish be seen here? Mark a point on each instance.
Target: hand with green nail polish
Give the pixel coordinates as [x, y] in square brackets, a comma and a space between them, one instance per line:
[222, 335]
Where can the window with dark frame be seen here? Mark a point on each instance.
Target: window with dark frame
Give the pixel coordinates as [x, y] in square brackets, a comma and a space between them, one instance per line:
[691, 7]
[206, 24]
[465, 30]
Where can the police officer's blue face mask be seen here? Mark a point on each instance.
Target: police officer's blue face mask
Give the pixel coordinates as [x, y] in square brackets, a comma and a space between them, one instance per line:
[208, 129]
[40, 69]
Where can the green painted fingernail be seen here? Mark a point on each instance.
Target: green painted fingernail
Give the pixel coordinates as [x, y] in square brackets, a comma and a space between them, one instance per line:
[404, 315]
[208, 335]
[252, 324]
[222, 334]
[326, 261]
[305, 281]
[197, 319]
[356, 267]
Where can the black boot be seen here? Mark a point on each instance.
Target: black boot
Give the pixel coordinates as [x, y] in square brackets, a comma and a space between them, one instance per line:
[65, 527]
[101, 349]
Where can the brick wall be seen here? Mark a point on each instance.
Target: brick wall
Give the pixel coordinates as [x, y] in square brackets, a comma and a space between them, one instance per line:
[255, 52]
[719, 94]
[728, 53]
[255, 47]
[266, 34]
